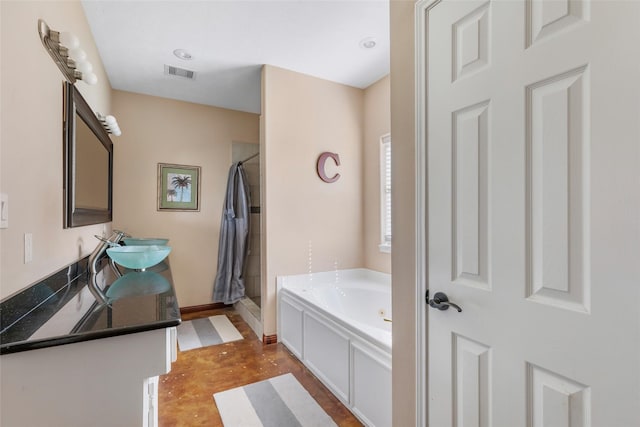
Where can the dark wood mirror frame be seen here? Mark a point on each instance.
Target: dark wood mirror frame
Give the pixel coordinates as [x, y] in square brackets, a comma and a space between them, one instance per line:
[76, 107]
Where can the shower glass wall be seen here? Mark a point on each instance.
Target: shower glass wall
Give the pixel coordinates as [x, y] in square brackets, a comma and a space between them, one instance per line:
[240, 152]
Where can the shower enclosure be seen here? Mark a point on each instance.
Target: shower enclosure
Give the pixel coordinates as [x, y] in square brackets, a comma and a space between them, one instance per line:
[249, 308]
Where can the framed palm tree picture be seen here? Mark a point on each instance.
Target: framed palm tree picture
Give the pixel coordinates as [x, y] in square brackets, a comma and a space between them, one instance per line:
[178, 187]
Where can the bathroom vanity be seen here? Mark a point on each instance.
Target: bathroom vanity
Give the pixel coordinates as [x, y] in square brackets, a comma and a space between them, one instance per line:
[68, 359]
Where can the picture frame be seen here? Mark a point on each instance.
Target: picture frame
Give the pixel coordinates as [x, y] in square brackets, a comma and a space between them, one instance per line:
[178, 187]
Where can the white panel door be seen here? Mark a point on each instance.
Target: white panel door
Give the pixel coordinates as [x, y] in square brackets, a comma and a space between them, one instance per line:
[533, 187]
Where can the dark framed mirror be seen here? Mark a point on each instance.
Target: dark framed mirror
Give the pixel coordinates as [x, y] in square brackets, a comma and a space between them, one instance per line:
[88, 164]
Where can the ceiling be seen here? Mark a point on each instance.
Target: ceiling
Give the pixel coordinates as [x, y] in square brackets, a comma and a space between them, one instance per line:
[230, 41]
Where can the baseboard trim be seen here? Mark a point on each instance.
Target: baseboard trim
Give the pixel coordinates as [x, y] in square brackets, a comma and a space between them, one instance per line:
[269, 339]
[203, 307]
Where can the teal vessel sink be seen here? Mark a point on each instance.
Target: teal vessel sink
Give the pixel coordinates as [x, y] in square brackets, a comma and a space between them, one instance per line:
[144, 241]
[138, 257]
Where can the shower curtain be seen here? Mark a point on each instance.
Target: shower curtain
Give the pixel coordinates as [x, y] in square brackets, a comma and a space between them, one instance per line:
[234, 238]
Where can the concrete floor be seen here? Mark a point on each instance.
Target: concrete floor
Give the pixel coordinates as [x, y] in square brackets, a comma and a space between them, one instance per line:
[185, 395]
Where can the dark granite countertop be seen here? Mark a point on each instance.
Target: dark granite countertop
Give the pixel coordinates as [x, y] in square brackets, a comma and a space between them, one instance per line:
[62, 309]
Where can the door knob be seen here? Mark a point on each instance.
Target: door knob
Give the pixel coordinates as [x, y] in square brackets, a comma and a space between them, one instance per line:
[441, 302]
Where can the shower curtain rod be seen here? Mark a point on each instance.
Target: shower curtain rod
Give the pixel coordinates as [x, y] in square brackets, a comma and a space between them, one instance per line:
[249, 158]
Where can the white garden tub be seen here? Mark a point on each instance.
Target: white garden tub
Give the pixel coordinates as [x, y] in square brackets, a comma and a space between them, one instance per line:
[334, 322]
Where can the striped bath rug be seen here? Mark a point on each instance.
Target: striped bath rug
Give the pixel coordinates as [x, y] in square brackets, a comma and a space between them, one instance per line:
[277, 402]
[205, 332]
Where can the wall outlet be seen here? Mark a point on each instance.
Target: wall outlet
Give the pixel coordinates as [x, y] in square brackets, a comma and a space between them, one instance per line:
[28, 247]
[4, 210]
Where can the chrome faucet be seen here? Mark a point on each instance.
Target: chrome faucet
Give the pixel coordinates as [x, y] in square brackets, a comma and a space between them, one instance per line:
[96, 255]
[98, 252]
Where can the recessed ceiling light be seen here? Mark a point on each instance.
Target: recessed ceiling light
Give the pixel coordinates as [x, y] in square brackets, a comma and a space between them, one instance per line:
[182, 54]
[368, 43]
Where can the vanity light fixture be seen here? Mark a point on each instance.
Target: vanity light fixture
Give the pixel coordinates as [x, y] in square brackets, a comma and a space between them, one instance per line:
[110, 124]
[368, 43]
[65, 51]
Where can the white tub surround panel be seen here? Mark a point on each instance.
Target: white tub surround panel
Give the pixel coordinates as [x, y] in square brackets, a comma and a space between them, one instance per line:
[334, 322]
[370, 394]
[290, 331]
[326, 352]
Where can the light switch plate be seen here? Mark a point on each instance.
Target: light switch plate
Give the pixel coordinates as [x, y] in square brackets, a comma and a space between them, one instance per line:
[28, 248]
[4, 210]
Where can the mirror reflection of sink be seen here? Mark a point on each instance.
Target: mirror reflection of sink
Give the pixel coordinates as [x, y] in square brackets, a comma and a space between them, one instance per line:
[138, 257]
[137, 284]
[145, 241]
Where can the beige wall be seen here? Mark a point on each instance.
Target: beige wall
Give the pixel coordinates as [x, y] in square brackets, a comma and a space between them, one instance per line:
[309, 225]
[377, 122]
[403, 212]
[31, 140]
[157, 130]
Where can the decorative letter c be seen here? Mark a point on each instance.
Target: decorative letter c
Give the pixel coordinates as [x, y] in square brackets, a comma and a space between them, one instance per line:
[320, 166]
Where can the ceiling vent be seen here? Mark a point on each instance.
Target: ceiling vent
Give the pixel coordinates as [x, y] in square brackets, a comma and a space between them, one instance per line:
[180, 72]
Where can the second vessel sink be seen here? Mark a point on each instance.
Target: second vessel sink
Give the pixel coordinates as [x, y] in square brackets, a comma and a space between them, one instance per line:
[145, 241]
[138, 257]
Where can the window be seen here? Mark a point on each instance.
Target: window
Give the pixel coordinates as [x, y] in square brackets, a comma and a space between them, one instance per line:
[385, 194]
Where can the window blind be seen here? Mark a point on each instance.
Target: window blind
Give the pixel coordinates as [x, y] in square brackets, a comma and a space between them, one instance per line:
[385, 160]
